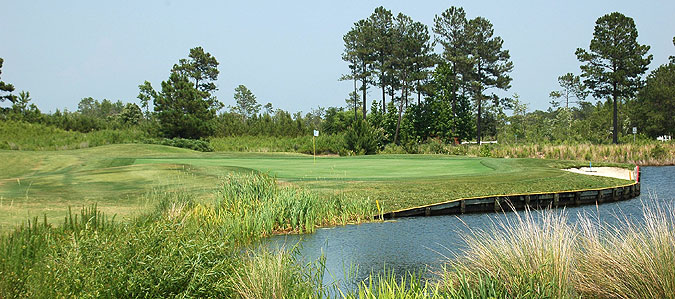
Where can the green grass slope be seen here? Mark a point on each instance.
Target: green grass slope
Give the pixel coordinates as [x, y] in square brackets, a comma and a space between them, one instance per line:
[118, 176]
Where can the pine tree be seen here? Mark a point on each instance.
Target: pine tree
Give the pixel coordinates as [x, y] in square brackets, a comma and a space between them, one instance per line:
[6, 88]
[613, 66]
[382, 24]
[186, 106]
[359, 53]
[247, 105]
[410, 53]
[490, 64]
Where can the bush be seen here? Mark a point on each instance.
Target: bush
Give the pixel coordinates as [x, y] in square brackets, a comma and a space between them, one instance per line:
[485, 150]
[363, 139]
[658, 152]
[193, 144]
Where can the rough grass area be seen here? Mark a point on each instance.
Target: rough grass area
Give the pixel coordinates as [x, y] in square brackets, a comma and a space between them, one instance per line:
[16, 135]
[117, 177]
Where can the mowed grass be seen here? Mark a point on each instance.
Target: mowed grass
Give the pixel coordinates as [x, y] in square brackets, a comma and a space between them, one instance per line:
[403, 181]
[363, 168]
[117, 177]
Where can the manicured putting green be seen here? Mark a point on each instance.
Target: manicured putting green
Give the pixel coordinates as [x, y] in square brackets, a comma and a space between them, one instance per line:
[342, 168]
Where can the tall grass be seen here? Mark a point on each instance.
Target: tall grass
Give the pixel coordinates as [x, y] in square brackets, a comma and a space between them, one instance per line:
[186, 248]
[633, 260]
[266, 274]
[253, 205]
[640, 153]
[389, 285]
[530, 255]
[544, 256]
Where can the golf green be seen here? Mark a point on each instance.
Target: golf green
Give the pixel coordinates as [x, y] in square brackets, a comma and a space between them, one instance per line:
[343, 168]
[117, 177]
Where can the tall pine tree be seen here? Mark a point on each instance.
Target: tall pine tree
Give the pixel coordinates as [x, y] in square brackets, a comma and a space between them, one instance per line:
[490, 64]
[6, 88]
[186, 106]
[615, 62]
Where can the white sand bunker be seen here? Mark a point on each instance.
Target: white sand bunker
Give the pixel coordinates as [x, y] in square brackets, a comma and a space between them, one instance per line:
[612, 172]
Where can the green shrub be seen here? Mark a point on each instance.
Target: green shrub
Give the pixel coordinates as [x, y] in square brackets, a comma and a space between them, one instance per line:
[657, 152]
[485, 150]
[193, 144]
[363, 139]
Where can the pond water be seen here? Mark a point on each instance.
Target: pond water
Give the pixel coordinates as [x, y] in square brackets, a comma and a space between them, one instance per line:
[422, 244]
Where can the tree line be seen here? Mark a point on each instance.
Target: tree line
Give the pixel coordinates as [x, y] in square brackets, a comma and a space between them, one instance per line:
[453, 69]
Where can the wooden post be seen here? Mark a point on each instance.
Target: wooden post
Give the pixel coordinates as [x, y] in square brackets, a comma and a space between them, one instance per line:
[427, 211]
[497, 204]
[527, 200]
[614, 194]
[577, 198]
[462, 206]
[556, 198]
[599, 197]
[314, 146]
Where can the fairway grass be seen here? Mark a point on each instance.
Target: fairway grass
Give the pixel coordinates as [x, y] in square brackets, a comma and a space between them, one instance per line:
[117, 177]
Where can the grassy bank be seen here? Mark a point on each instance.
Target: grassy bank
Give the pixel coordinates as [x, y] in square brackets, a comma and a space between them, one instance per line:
[182, 247]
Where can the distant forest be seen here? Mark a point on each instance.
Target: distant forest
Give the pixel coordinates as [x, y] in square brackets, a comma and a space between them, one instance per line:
[447, 96]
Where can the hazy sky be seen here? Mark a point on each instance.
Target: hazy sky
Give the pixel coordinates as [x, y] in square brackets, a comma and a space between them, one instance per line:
[286, 52]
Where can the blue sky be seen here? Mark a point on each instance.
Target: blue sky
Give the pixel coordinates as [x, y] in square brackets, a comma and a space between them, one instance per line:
[286, 52]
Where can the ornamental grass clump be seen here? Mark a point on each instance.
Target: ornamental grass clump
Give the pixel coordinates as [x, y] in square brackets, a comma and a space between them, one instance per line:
[267, 274]
[629, 260]
[390, 285]
[532, 255]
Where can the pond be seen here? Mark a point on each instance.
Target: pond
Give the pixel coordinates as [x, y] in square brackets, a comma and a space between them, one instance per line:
[422, 244]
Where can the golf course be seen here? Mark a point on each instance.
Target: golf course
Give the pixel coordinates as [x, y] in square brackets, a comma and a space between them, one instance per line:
[120, 178]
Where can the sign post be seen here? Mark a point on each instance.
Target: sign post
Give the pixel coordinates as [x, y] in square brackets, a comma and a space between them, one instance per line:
[316, 134]
[634, 132]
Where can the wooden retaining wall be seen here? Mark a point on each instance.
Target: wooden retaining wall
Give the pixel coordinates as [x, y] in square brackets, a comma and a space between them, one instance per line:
[520, 201]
